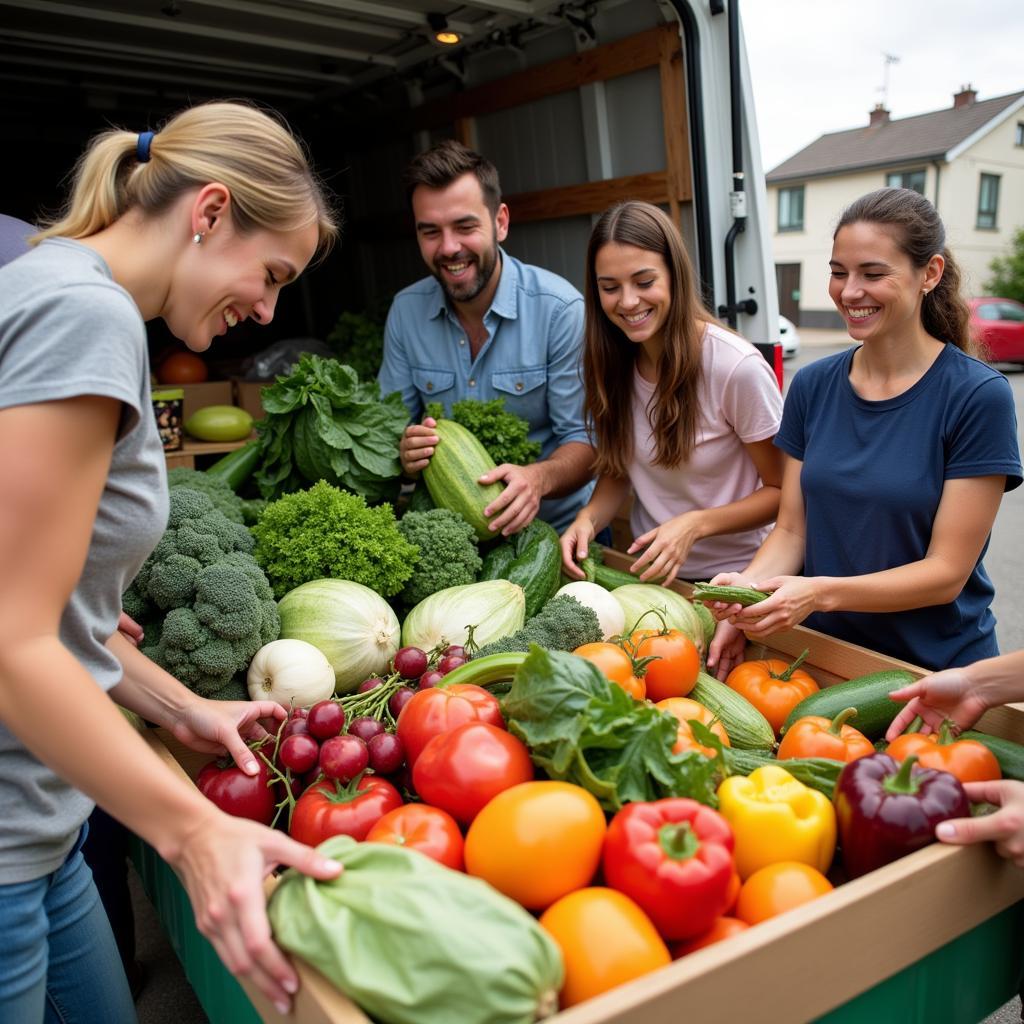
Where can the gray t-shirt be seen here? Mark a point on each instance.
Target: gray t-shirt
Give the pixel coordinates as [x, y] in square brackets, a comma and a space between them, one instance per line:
[66, 330]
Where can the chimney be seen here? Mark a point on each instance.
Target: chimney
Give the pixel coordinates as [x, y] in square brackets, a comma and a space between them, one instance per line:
[878, 116]
[965, 97]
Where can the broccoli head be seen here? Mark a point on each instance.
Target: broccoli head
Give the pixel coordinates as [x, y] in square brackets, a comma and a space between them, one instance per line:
[448, 552]
[223, 497]
[563, 624]
[325, 532]
[205, 604]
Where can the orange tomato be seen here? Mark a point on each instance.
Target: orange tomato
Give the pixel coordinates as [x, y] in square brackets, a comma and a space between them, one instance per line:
[537, 841]
[605, 939]
[774, 889]
[733, 893]
[723, 928]
[615, 664]
[684, 709]
[968, 760]
[673, 672]
[814, 736]
[772, 686]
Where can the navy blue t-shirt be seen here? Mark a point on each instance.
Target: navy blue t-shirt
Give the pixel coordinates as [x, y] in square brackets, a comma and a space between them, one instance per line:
[872, 479]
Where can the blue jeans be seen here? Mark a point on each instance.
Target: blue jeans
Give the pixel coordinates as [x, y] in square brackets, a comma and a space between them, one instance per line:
[59, 963]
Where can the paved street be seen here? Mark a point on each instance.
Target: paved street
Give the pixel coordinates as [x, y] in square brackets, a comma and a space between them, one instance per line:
[168, 999]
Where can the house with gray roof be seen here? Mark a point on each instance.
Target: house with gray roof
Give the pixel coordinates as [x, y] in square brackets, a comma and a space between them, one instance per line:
[968, 159]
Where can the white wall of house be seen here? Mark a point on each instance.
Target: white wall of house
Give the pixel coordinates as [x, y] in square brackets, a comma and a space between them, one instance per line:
[997, 154]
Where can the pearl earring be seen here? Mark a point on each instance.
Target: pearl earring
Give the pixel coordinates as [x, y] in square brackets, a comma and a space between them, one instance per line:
[197, 237]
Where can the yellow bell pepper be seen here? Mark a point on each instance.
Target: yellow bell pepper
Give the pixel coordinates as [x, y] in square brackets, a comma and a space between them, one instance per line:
[774, 817]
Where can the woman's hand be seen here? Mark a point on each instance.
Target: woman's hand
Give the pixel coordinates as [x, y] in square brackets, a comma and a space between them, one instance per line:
[222, 863]
[722, 611]
[219, 726]
[792, 599]
[726, 650]
[1005, 827]
[575, 544]
[949, 694]
[667, 547]
[130, 629]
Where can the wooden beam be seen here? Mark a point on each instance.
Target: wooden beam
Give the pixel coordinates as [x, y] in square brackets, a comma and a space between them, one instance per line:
[643, 50]
[590, 197]
[465, 132]
[674, 121]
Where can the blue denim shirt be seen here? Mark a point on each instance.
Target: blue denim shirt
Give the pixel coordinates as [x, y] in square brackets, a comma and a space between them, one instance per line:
[531, 359]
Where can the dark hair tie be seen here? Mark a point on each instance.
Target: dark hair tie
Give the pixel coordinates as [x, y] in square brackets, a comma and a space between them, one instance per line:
[142, 147]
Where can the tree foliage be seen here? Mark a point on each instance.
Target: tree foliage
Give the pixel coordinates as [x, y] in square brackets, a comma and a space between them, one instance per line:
[1007, 280]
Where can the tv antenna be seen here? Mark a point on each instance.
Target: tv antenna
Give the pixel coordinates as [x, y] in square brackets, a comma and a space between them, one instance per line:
[888, 59]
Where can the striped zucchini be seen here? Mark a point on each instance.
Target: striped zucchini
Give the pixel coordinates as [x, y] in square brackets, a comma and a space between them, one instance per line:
[820, 773]
[451, 475]
[868, 694]
[1010, 755]
[748, 729]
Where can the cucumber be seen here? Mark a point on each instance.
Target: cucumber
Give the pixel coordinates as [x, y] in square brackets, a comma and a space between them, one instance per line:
[610, 578]
[747, 728]
[820, 773]
[868, 694]
[745, 596]
[236, 467]
[1010, 755]
[453, 470]
[533, 559]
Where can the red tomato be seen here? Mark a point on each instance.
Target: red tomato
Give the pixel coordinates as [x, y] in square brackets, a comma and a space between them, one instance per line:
[673, 673]
[430, 830]
[441, 708]
[182, 368]
[462, 770]
[330, 809]
[234, 792]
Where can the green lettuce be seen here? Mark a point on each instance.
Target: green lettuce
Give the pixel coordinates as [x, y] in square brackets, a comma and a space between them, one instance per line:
[323, 423]
[584, 729]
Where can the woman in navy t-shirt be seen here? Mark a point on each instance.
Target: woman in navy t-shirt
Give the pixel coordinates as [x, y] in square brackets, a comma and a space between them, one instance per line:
[897, 456]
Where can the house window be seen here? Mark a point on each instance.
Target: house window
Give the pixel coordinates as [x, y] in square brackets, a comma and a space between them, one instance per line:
[988, 201]
[1018, 138]
[791, 208]
[906, 179]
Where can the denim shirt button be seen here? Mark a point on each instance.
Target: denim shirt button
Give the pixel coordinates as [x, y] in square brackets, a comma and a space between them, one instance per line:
[462, 341]
[472, 382]
[519, 385]
[430, 385]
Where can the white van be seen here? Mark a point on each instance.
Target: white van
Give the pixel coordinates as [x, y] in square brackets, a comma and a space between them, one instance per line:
[579, 103]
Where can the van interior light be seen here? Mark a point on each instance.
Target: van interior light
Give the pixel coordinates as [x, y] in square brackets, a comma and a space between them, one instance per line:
[442, 33]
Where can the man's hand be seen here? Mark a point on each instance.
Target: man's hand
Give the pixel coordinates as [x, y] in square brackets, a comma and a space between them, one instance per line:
[417, 445]
[517, 505]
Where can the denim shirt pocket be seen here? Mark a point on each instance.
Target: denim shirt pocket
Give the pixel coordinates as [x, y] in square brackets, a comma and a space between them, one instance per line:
[434, 385]
[525, 392]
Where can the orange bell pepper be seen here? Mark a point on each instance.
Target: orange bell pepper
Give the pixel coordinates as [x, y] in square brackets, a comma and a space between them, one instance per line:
[814, 736]
[968, 760]
[772, 686]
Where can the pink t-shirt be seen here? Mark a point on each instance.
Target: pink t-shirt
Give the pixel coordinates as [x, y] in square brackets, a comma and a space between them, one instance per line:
[739, 403]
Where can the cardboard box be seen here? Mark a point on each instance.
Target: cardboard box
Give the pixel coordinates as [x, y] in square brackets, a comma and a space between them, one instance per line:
[210, 392]
[936, 936]
[247, 396]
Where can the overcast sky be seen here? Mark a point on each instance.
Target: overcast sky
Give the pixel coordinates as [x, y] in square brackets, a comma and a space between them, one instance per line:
[817, 66]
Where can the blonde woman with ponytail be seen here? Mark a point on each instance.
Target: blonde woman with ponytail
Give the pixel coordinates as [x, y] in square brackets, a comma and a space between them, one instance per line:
[897, 455]
[200, 224]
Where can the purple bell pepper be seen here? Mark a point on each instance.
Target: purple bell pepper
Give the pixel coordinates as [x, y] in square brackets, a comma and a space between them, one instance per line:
[885, 810]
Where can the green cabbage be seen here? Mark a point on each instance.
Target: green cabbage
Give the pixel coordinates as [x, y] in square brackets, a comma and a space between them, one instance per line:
[494, 608]
[414, 942]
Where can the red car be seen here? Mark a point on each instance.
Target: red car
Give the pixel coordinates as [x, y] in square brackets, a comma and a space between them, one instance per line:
[998, 326]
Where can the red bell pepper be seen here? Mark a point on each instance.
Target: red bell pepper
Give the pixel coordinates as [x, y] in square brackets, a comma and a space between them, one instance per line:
[885, 810]
[674, 858]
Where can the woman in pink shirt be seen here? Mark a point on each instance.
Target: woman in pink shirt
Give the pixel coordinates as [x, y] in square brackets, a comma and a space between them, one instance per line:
[682, 410]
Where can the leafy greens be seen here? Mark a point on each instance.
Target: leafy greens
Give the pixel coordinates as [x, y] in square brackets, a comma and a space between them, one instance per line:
[582, 728]
[323, 423]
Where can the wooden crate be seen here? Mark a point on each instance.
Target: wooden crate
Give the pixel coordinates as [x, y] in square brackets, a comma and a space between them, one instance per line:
[935, 936]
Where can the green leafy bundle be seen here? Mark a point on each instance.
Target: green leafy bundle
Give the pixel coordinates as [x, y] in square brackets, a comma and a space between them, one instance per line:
[327, 533]
[504, 434]
[323, 423]
[582, 728]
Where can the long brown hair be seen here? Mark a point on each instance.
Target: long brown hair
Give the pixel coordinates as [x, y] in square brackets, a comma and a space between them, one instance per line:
[252, 152]
[916, 228]
[609, 357]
